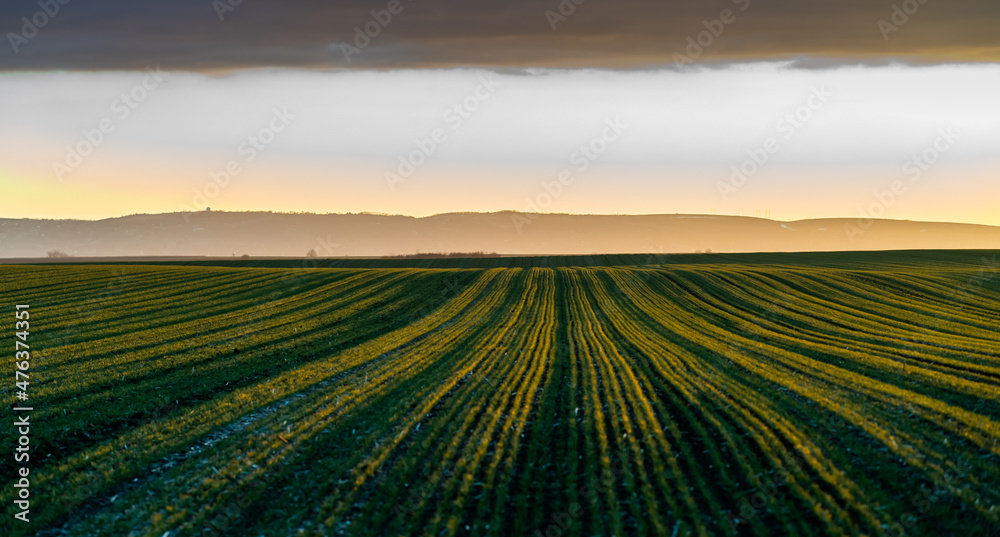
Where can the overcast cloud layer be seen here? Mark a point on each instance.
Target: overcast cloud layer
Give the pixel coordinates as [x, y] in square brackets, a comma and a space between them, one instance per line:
[220, 35]
[832, 118]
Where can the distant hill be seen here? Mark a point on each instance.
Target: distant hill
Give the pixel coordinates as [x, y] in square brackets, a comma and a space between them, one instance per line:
[510, 233]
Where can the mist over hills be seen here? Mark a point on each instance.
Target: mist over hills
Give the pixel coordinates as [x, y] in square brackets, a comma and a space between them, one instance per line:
[259, 234]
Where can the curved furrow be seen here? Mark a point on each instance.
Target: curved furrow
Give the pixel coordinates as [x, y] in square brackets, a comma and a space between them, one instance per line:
[959, 422]
[356, 472]
[183, 305]
[977, 428]
[880, 355]
[94, 469]
[698, 381]
[848, 301]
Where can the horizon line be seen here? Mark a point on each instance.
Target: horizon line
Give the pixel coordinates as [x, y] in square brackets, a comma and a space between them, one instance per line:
[505, 211]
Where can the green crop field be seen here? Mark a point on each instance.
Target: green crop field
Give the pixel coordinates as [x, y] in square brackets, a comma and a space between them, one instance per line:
[779, 394]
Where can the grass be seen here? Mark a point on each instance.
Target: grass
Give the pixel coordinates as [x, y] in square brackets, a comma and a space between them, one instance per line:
[798, 394]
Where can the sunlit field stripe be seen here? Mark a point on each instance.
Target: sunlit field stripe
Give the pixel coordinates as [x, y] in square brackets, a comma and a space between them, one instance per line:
[880, 351]
[338, 503]
[660, 350]
[960, 422]
[158, 438]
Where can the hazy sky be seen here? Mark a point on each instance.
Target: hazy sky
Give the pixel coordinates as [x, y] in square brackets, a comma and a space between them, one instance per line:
[806, 109]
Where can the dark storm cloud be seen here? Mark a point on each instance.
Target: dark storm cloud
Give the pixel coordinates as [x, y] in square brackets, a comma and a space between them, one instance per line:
[188, 34]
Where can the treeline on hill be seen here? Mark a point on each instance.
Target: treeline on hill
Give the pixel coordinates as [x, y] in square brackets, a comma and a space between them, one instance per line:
[442, 255]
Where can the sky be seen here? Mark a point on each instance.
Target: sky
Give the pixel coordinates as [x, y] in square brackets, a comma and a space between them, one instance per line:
[783, 109]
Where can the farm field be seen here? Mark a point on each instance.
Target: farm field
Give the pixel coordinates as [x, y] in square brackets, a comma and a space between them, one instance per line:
[761, 394]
